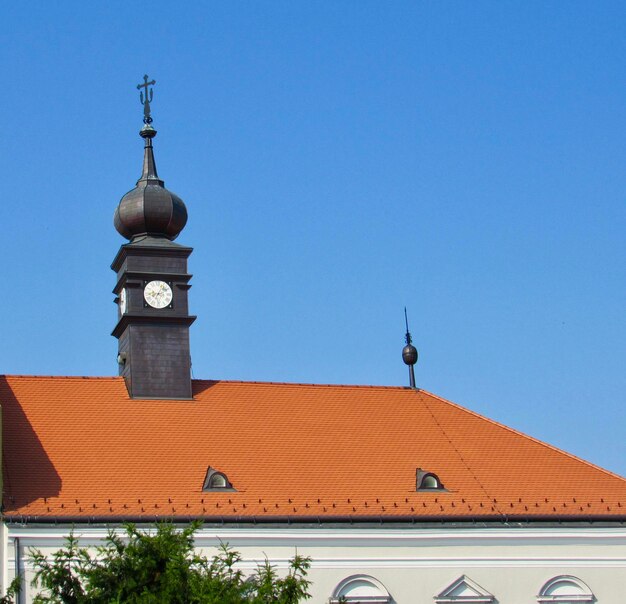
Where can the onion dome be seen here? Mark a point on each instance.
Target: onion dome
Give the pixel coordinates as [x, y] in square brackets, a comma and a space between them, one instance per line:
[150, 209]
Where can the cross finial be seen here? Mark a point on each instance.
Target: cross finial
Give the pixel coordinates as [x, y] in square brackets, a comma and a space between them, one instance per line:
[146, 98]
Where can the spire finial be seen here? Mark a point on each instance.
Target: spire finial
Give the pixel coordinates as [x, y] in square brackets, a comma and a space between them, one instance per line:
[408, 333]
[146, 98]
[146, 95]
[409, 352]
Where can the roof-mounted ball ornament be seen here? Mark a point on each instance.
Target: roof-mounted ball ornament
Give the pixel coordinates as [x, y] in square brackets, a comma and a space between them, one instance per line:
[409, 352]
[149, 210]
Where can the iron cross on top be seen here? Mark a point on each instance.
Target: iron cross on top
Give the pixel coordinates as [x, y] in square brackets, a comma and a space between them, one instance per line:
[147, 98]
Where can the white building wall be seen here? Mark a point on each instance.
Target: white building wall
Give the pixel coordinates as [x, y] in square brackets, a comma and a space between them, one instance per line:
[413, 564]
[4, 555]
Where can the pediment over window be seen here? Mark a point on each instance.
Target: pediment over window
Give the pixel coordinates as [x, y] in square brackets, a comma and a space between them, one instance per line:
[360, 589]
[464, 590]
[566, 590]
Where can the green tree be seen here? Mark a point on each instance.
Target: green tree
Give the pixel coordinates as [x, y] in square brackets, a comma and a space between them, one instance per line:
[12, 591]
[160, 567]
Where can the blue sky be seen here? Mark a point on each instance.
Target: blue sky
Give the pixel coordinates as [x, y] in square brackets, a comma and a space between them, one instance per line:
[339, 160]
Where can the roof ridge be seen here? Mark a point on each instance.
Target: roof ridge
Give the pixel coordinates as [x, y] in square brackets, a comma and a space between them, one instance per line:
[524, 435]
[463, 460]
[212, 381]
[312, 384]
[61, 377]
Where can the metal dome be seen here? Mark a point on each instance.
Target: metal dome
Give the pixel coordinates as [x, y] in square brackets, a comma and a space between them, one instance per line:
[409, 354]
[150, 209]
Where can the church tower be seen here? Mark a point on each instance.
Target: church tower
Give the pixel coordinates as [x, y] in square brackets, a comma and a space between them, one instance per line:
[152, 282]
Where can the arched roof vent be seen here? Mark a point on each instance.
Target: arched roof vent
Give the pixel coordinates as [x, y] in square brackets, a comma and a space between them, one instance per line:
[216, 481]
[427, 481]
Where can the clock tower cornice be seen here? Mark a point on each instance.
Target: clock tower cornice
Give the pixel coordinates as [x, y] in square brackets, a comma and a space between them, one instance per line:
[138, 318]
[156, 247]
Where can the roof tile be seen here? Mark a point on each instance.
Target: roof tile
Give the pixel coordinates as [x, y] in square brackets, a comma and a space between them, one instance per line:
[80, 447]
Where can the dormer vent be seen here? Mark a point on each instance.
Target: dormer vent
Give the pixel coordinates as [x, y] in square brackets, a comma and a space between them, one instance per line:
[427, 481]
[216, 481]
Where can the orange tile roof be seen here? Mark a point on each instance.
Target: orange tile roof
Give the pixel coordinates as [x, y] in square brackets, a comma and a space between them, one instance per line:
[80, 448]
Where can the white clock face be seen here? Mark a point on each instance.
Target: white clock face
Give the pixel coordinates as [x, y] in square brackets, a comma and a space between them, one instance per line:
[123, 301]
[158, 294]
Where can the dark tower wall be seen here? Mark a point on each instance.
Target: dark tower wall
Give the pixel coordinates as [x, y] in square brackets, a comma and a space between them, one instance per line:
[153, 344]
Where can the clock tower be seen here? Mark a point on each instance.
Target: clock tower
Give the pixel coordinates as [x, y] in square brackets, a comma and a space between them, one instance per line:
[152, 282]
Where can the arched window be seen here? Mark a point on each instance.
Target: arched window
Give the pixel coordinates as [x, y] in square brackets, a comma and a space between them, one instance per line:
[217, 481]
[429, 482]
[360, 589]
[566, 590]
